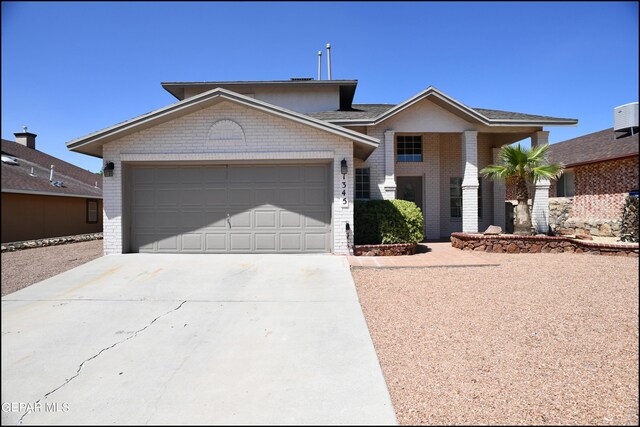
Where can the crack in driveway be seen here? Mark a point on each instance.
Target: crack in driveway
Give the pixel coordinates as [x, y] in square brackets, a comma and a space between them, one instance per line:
[133, 335]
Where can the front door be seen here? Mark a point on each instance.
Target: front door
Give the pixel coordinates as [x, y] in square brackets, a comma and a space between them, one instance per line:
[410, 188]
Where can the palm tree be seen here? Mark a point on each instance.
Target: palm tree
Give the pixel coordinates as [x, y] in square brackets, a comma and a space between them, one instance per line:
[526, 166]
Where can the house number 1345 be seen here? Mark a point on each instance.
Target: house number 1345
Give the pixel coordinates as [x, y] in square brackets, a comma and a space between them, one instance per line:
[343, 191]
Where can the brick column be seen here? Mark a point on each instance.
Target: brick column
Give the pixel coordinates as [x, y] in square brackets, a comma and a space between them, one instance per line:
[470, 182]
[499, 194]
[389, 166]
[540, 210]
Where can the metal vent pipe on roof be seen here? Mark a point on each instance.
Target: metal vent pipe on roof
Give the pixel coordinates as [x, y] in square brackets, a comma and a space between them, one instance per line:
[51, 174]
[319, 64]
[328, 61]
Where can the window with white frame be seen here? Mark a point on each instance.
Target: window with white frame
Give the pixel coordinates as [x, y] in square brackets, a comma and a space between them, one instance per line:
[363, 182]
[409, 148]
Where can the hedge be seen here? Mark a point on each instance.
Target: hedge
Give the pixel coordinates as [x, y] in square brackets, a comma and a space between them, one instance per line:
[387, 222]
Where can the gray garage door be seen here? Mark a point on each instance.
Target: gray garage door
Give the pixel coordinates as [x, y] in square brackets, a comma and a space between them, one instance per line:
[231, 208]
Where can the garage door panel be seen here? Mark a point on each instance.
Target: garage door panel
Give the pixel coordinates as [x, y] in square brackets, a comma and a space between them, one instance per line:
[265, 175]
[215, 219]
[215, 196]
[291, 197]
[167, 175]
[218, 209]
[315, 197]
[166, 218]
[191, 175]
[215, 175]
[167, 198]
[290, 242]
[265, 218]
[315, 242]
[191, 197]
[239, 196]
[241, 220]
[215, 242]
[291, 174]
[290, 219]
[192, 242]
[265, 242]
[315, 174]
[240, 242]
[168, 243]
[144, 198]
[239, 174]
[265, 196]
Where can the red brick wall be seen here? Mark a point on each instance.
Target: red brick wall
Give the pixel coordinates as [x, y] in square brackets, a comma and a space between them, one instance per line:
[601, 188]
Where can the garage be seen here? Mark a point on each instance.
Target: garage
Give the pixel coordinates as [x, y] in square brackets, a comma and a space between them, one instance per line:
[230, 208]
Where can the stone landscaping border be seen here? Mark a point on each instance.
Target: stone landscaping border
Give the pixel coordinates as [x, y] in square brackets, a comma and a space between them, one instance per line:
[396, 249]
[508, 243]
[50, 241]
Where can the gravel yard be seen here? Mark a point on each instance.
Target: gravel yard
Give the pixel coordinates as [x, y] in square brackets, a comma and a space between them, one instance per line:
[491, 345]
[28, 266]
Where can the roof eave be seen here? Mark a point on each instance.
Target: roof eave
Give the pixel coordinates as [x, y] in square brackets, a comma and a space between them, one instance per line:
[197, 102]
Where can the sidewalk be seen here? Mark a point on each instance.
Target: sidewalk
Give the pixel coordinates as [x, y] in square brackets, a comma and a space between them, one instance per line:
[431, 254]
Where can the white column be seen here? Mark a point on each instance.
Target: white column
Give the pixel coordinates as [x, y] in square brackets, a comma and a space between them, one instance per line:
[470, 182]
[499, 192]
[389, 166]
[540, 210]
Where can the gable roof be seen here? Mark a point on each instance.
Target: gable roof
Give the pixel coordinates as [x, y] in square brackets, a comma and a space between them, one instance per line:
[594, 147]
[18, 179]
[92, 144]
[372, 114]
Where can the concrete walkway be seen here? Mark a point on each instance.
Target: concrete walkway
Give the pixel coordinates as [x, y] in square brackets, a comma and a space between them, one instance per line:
[192, 339]
[431, 254]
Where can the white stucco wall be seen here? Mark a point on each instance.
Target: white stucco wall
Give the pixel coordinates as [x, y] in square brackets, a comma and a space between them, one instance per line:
[267, 137]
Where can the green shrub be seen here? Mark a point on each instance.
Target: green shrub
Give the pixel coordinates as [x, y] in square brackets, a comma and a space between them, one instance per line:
[386, 222]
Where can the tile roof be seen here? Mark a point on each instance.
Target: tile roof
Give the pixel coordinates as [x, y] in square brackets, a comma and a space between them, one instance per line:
[594, 147]
[77, 181]
[371, 111]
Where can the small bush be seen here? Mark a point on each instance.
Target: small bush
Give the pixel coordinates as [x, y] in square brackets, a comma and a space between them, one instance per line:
[387, 222]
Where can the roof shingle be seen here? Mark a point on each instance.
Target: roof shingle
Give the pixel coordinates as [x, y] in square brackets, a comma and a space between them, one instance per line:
[594, 147]
[77, 181]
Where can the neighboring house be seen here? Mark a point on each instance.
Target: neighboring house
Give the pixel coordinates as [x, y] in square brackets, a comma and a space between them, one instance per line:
[600, 173]
[39, 201]
[274, 166]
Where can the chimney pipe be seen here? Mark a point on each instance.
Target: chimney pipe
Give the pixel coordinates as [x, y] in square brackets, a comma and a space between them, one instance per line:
[329, 61]
[319, 64]
[25, 138]
[51, 174]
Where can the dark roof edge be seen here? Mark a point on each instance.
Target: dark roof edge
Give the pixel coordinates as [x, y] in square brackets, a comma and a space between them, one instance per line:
[589, 162]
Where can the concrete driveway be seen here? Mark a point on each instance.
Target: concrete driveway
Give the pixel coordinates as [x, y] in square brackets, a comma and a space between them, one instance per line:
[192, 339]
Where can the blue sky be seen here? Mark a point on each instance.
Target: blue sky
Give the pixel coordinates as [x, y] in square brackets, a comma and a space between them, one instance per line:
[72, 68]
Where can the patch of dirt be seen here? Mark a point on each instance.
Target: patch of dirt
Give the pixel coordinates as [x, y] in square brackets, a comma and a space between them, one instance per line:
[28, 266]
[542, 339]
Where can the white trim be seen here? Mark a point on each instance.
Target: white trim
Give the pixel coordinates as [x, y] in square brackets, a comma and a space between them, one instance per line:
[176, 157]
[47, 193]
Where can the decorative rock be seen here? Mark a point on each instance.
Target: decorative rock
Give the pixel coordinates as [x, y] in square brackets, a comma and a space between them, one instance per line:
[564, 231]
[493, 229]
[583, 237]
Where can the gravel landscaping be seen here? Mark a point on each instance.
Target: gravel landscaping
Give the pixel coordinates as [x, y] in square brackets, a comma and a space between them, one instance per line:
[28, 266]
[494, 345]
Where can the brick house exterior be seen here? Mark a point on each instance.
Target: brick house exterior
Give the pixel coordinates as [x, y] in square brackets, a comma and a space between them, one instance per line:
[428, 149]
[603, 170]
